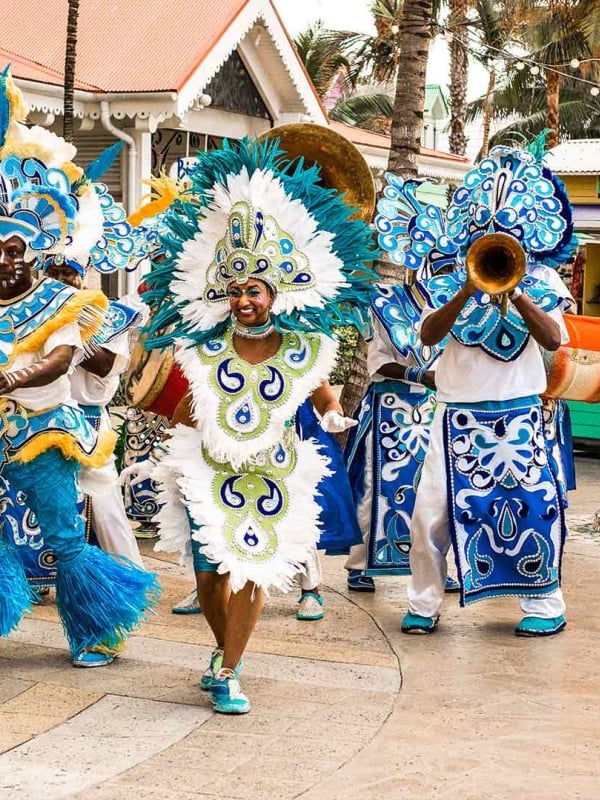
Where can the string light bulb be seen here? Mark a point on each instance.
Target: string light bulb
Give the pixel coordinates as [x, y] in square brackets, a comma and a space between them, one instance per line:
[520, 65]
[395, 28]
[594, 91]
[535, 70]
[574, 62]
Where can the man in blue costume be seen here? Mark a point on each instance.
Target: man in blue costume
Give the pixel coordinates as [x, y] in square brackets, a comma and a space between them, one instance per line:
[488, 485]
[44, 438]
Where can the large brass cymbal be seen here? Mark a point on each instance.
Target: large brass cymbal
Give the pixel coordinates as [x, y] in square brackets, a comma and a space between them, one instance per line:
[342, 165]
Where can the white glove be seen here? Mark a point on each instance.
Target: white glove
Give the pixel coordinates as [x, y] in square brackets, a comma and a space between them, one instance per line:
[137, 472]
[334, 422]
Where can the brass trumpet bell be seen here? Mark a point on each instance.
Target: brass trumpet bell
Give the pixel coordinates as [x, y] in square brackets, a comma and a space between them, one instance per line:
[496, 263]
[342, 165]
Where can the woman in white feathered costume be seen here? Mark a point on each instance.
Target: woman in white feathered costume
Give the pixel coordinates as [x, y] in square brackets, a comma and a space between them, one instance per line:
[265, 262]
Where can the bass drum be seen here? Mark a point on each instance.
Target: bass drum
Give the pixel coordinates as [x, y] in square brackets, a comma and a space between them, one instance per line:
[154, 381]
[574, 370]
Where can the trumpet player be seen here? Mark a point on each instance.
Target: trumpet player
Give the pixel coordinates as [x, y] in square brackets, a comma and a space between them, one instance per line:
[486, 482]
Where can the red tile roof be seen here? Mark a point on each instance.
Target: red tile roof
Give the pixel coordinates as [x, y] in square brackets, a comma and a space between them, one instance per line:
[368, 138]
[121, 45]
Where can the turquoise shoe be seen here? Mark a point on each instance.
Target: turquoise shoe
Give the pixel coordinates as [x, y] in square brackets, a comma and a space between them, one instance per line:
[310, 607]
[89, 660]
[540, 626]
[452, 586]
[216, 662]
[413, 623]
[189, 605]
[226, 694]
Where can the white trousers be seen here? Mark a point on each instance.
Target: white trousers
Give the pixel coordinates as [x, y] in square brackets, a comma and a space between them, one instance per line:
[314, 574]
[112, 526]
[430, 536]
[108, 511]
[357, 557]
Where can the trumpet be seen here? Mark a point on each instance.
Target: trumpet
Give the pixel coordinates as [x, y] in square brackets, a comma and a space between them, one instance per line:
[496, 263]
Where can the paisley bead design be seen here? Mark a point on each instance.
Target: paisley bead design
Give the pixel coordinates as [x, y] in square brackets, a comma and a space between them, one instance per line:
[248, 393]
[255, 246]
[480, 322]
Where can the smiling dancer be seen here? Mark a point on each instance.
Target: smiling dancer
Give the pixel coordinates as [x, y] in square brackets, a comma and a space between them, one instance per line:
[256, 281]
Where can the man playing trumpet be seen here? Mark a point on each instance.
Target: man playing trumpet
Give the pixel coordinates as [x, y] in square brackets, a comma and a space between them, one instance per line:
[487, 485]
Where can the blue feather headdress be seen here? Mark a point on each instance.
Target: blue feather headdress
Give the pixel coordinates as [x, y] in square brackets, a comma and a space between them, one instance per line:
[36, 204]
[413, 233]
[256, 214]
[510, 191]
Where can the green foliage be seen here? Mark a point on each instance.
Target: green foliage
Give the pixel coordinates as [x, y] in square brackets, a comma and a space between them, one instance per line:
[121, 430]
[348, 339]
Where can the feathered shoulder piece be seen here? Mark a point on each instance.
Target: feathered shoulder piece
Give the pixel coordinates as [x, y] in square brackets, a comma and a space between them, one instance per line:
[256, 214]
[413, 232]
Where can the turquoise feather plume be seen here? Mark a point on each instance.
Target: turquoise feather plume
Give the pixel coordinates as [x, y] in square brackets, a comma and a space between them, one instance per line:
[352, 242]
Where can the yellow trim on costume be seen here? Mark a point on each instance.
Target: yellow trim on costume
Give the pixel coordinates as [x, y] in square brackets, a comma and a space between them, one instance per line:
[106, 650]
[18, 107]
[87, 308]
[69, 447]
[163, 191]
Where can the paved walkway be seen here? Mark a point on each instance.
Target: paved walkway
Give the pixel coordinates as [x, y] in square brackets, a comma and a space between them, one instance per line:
[343, 708]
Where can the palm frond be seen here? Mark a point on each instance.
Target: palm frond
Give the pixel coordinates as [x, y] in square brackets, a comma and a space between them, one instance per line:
[365, 111]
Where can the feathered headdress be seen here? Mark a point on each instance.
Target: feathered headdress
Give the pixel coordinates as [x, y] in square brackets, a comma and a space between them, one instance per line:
[92, 226]
[36, 204]
[413, 233]
[256, 214]
[149, 219]
[510, 191]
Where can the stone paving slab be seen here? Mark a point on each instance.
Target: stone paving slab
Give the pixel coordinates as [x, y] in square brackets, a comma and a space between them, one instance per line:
[112, 735]
[344, 709]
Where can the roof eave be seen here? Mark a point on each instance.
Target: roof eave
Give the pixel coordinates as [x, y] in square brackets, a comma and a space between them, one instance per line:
[49, 99]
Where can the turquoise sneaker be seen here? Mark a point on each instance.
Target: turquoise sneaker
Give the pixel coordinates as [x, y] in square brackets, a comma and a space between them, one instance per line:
[216, 662]
[310, 607]
[452, 586]
[540, 626]
[413, 623]
[189, 605]
[88, 659]
[226, 694]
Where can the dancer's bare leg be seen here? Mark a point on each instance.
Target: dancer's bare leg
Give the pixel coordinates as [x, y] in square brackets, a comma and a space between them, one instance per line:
[242, 615]
[214, 594]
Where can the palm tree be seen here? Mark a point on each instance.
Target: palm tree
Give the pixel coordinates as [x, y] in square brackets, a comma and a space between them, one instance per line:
[553, 33]
[561, 30]
[322, 60]
[406, 131]
[459, 75]
[409, 102]
[70, 59]
[353, 70]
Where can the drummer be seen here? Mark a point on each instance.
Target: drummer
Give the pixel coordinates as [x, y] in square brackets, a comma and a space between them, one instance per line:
[94, 382]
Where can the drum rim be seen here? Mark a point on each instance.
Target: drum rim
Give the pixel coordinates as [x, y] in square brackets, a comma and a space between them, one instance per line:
[157, 385]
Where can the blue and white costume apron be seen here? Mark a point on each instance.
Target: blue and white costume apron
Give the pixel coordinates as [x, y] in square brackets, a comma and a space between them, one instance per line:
[385, 452]
[337, 518]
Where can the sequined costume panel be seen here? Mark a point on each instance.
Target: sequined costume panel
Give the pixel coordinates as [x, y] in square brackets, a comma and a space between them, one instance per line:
[506, 515]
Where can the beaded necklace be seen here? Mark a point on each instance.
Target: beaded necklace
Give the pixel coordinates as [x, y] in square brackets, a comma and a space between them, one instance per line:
[256, 332]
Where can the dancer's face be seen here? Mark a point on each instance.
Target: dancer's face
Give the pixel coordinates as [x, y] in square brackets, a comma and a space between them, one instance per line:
[251, 302]
[15, 272]
[65, 274]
